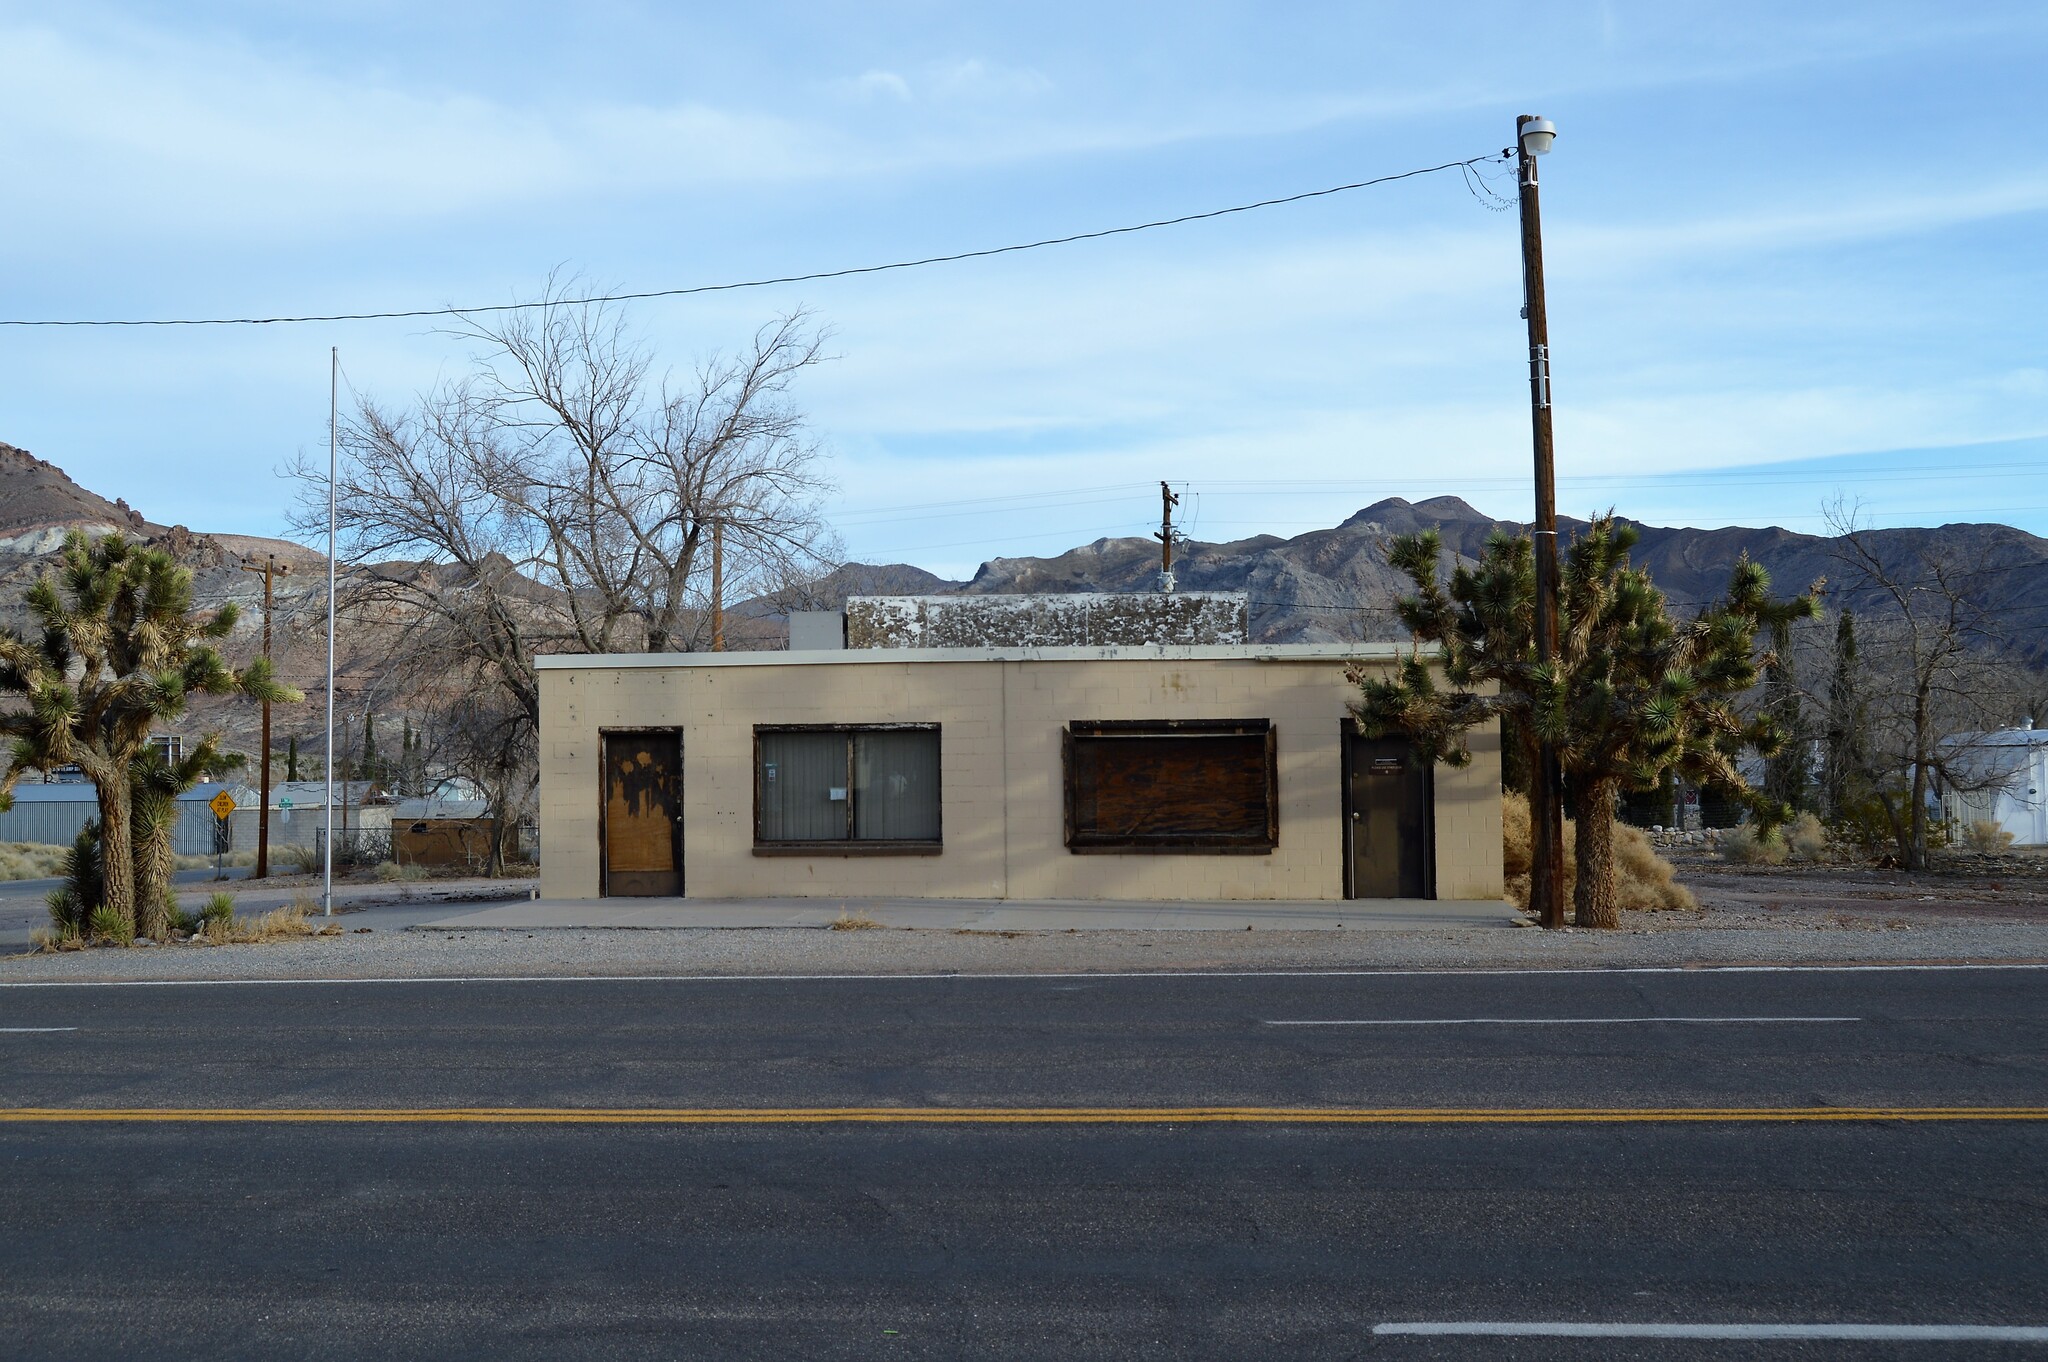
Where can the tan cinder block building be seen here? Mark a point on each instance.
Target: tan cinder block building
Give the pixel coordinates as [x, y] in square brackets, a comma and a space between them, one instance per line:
[1110, 773]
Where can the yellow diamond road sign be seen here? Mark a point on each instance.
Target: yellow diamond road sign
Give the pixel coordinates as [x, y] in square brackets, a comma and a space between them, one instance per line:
[222, 804]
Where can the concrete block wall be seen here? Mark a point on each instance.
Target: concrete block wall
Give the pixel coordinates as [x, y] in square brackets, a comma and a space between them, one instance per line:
[1000, 774]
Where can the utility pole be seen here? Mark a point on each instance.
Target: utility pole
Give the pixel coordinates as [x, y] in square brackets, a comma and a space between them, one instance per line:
[1167, 501]
[333, 445]
[271, 570]
[1533, 137]
[718, 586]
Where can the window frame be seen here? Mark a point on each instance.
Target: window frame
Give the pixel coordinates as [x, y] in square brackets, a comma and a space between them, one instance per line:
[1081, 843]
[848, 845]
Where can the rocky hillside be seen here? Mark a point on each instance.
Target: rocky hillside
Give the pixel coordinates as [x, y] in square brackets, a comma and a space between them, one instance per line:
[1335, 584]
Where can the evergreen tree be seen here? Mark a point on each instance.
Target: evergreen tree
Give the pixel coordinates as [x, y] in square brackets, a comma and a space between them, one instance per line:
[1788, 771]
[1843, 759]
[291, 758]
[371, 770]
[1631, 694]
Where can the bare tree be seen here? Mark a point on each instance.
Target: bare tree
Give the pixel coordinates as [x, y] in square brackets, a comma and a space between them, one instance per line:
[1932, 678]
[483, 736]
[561, 497]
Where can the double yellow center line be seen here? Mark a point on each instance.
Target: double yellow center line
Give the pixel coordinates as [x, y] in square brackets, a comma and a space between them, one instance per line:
[1155, 1116]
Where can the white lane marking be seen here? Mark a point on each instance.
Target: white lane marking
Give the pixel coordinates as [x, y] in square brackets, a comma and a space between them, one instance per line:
[1552, 1021]
[1930, 1333]
[29, 1030]
[973, 977]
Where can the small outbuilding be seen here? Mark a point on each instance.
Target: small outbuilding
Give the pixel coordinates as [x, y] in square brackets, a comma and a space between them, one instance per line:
[1146, 772]
[442, 834]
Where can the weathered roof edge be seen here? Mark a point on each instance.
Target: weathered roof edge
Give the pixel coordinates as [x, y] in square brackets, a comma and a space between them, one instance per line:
[1327, 653]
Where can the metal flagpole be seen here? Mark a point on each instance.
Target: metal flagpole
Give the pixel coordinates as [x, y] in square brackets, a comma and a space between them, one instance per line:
[333, 408]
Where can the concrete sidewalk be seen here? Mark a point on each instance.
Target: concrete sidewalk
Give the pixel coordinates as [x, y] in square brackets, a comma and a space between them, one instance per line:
[981, 915]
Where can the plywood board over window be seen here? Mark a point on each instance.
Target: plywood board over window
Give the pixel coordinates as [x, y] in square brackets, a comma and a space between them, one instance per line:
[1176, 786]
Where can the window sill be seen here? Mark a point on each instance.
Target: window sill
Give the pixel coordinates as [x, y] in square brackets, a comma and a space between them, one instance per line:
[848, 848]
[1171, 849]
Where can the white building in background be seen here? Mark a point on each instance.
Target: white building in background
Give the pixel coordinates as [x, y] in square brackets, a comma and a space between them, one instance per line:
[2015, 761]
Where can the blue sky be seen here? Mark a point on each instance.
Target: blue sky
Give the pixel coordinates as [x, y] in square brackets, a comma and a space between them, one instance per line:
[1795, 251]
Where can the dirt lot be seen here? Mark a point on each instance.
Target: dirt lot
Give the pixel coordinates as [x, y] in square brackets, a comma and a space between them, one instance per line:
[2005, 887]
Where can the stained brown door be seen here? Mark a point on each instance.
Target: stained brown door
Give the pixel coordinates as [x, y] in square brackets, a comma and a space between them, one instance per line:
[643, 782]
[1389, 836]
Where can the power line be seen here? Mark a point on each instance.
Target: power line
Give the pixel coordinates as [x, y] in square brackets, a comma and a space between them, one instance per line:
[1464, 167]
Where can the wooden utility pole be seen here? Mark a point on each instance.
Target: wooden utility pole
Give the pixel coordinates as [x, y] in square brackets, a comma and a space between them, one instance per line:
[1546, 784]
[271, 570]
[718, 586]
[1167, 501]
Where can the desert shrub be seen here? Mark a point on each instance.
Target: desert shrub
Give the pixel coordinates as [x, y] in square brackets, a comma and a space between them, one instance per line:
[84, 872]
[112, 926]
[1807, 839]
[389, 871]
[67, 914]
[1643, 880]
[1744, 845]
[218, 908]
[303, 860]
[1985, 835]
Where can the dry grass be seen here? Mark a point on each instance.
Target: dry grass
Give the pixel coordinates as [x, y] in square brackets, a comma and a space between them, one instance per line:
[233, 858]
[31, 861]
[1643, 880]
[389, 871]
[854, 922]
[279, 924]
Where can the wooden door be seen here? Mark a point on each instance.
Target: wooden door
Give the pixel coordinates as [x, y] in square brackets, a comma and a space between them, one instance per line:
[1390, 838]
[642, 825]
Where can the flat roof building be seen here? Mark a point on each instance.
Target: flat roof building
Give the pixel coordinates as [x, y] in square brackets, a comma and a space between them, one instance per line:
[1152, 772]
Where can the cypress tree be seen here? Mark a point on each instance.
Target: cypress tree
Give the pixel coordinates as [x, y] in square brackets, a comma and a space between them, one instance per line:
[1843, 760]
[1787, 770]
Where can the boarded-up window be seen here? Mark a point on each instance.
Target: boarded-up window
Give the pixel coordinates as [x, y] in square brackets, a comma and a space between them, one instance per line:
[1173, 786]
[863, 788]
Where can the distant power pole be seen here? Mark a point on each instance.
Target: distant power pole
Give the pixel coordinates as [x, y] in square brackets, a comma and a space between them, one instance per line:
[718, 586]
[271, 570]
[1167, 501]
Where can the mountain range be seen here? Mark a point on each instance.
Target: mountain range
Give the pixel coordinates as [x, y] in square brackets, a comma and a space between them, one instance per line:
[1327, 585]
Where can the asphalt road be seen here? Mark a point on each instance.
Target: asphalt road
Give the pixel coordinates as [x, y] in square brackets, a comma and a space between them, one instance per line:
[1123, 1220]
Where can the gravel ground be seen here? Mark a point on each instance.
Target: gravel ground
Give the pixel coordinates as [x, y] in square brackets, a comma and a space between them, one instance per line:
[400, 954]
[1776, 915]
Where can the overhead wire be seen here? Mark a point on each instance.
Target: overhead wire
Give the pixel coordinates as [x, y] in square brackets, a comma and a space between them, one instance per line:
[1463, 166]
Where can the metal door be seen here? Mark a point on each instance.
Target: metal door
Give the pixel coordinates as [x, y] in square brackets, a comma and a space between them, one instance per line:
[1390, 839]
[642, 823]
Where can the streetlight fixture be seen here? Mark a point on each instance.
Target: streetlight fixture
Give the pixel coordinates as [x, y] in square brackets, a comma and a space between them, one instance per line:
[1533, 137]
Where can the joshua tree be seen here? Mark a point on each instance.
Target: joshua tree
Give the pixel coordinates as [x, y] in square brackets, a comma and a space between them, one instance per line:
[117, 652]
[155, 785]
[1631, 694]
